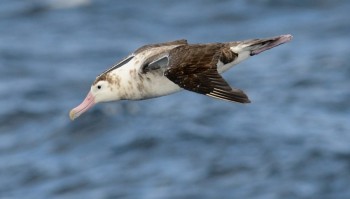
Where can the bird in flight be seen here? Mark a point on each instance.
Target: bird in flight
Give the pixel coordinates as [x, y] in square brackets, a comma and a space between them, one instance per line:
[156, 70]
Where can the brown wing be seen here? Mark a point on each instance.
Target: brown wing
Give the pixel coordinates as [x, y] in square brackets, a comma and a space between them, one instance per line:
[193, 67]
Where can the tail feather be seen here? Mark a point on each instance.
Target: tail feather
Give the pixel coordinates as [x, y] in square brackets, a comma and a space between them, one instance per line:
[256, 46]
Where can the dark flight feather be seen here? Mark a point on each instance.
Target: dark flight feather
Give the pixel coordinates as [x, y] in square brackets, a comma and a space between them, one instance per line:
[194, 68]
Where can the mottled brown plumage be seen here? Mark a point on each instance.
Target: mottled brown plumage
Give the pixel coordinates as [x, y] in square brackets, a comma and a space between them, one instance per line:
[194, 68]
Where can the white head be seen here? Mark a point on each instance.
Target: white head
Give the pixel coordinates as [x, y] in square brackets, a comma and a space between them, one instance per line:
[101, 91]
[104, 89]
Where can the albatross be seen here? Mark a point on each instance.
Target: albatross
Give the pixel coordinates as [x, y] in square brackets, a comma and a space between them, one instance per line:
[156, 70]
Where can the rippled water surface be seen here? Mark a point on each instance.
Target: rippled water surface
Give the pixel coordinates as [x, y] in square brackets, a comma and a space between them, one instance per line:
[292, 141]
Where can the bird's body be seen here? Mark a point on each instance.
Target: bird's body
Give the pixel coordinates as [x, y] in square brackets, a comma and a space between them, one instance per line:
[160, 69]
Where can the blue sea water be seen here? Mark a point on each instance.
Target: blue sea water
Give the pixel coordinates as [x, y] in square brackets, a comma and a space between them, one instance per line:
[292, 141]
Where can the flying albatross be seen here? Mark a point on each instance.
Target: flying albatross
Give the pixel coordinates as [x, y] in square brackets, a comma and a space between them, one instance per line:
[160, 69]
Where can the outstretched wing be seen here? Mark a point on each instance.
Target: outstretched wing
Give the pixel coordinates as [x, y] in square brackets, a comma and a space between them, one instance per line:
[194, 68]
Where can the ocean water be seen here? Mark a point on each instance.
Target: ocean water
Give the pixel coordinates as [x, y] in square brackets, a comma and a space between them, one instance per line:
[291, 142]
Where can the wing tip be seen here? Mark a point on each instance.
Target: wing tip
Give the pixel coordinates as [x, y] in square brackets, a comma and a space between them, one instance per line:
[236, 99]
[247, 101]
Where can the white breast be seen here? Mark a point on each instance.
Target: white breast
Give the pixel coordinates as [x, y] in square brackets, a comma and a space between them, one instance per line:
[135, 85]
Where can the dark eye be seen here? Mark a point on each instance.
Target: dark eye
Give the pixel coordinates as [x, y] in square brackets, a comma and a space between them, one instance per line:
[99, 86]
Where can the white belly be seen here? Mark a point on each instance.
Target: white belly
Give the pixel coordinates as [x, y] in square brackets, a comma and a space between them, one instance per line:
[143, 86]
[157, 85]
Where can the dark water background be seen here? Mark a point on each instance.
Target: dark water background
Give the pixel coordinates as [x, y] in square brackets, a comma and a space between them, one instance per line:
[291, 142]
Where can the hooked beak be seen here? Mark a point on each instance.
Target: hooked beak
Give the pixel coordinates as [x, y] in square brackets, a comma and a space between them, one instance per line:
[259, 45]
[88, 102]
